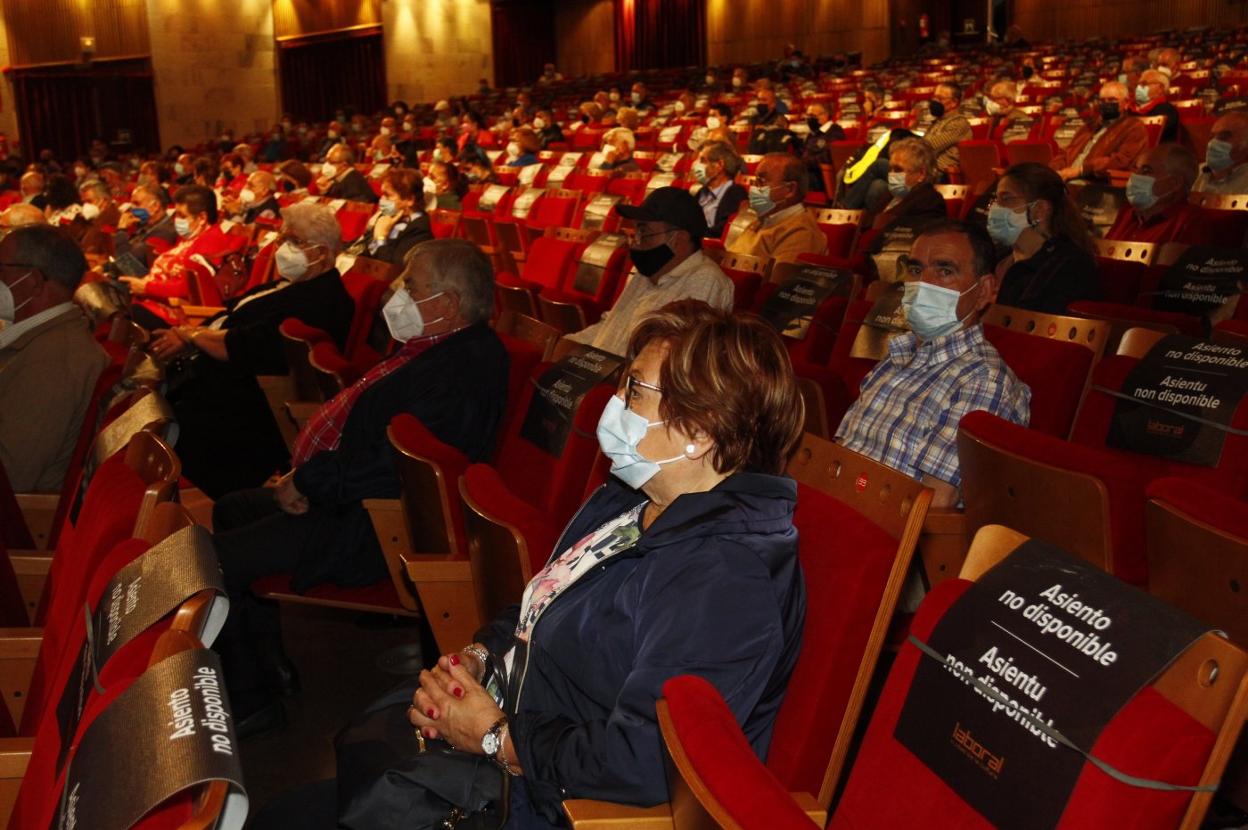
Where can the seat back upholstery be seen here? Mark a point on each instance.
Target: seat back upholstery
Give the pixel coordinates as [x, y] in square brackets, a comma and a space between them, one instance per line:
[1056, 371]
[366, 290]
[549, 261]
[1166, 732]
[858, 523]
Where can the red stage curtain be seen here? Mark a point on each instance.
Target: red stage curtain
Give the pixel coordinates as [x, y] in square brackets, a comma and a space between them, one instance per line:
[323, 73]
[657, 34]
[524, 40]
[62, 108]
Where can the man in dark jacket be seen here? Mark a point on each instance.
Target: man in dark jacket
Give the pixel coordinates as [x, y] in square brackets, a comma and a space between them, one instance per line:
[227, 437]
[145, 230]
[720, 197]
[450, 372]
[340, 180]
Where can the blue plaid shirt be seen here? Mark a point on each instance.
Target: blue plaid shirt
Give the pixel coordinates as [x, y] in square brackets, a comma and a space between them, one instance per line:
[911, 403]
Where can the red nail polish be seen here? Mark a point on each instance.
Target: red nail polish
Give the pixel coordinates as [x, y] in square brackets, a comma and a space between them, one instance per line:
[428, 713]
[459, 692]
[454, 658]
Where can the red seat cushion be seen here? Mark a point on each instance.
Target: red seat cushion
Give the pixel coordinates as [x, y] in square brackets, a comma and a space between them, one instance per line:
[1204, 504]
[1150, 737]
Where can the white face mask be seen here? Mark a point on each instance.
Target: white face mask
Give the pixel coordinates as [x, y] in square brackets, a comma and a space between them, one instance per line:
[932, 310]
[8, 311]
[182, 226]
[539, 123]
[679, 106]
[614, 96]
[384, 131]
[620, 430]
[513, 150]
[292, 263]
[737, 82]
[247, 196]
[329, 170]
[713, 123]
[429, 185]
[403, 317]
[332, 133]
[90, 211]
[388, 207]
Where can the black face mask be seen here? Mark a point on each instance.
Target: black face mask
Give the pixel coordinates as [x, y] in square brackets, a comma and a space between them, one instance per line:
[813, 123]
[650, 261]
[1028, 72]
[1109, 111]
[936, 108]
[762, 110]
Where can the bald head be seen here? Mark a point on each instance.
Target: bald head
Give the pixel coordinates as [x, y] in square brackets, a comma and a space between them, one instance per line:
[22, 214]
[785, 176]
[31, 184]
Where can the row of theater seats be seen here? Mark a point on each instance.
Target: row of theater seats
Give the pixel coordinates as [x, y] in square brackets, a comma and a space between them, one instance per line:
[463, 540]
[62, 680]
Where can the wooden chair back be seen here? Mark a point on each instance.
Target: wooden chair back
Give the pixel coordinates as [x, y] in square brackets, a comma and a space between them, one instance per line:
[1000, 486]
[1137, 341]
[897, 505]
[744, 263]
[426, 497]
[1208, 681]
[499, 556]
[577, 235]
[1091, 334]
[528, 329]
[1138, 252]
[1198, 567]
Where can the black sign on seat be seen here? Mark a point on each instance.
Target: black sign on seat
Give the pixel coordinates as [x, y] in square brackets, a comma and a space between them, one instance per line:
[548, 420]
[1064, 646]
[792, 306]
[1179, 400]
[1202, 280]
[885, 321]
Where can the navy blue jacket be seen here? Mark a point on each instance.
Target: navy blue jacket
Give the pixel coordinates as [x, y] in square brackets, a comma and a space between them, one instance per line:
[712, 588]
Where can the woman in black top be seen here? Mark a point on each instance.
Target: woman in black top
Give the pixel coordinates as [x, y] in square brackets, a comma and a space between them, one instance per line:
[1050, 263]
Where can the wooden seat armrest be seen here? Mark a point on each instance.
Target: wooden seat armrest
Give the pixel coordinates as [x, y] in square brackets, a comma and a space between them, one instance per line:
[39, 510]
[32, 562]
[20, 643]
[301, 411]
[389, 524]
[37, 501]
[15, 756]
[435, 567]
[202, 312]
[587, 814]
[808, 805]
[943, 543]
[31, 569]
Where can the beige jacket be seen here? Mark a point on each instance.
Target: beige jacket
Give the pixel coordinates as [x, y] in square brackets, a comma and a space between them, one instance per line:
[47, 376]
[782, 236]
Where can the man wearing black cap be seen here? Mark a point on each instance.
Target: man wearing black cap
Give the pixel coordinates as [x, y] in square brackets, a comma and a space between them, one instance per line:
[668, 265]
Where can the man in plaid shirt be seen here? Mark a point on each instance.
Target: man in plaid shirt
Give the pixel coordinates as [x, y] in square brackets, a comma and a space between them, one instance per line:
[908, 412]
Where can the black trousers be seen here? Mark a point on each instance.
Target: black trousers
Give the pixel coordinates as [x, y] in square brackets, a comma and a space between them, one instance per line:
[253, 538]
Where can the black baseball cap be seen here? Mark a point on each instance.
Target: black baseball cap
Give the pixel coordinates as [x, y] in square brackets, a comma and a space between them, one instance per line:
[671, 205]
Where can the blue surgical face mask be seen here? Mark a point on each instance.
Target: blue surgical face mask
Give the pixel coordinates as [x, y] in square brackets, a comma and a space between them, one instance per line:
[932, 310]
[1141, 94]
[1005, 224]
[183, 226]
[760, 200]
[897, 184]
[620, 430]
[8, 311]
[1218, 155]
[1140, 191]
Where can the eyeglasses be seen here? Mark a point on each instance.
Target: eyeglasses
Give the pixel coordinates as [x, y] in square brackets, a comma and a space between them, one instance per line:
[631, 383]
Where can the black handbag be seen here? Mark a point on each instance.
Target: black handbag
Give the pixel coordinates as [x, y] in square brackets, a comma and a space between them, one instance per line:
[385, 780]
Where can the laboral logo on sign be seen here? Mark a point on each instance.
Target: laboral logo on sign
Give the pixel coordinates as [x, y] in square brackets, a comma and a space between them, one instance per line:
[977, 752]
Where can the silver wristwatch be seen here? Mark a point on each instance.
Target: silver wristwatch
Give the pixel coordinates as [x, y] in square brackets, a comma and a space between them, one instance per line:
[492, 741]
[478, 652]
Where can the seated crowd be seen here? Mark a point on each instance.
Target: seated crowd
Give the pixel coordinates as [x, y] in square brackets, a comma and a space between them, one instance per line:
[215, 250]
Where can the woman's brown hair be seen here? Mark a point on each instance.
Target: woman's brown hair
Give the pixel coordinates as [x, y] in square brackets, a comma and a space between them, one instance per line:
[729, 376]
[1037, 181]
[406, 182]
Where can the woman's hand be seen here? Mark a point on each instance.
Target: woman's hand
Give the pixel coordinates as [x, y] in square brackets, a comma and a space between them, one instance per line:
[452, 705]
[381, 229]
[168, 344]
[137, 284]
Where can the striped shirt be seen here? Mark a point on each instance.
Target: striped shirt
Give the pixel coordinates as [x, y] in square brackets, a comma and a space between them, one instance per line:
[911, 403]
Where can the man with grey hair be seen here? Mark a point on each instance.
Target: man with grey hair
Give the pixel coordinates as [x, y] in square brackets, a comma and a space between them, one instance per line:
[340, 180]
[98, 206]
[450, 372]
[1109, 141]
[145, 229]
[228, 439]
[720, 197]
[49, 362]
[1157, 210]
[1226, 156]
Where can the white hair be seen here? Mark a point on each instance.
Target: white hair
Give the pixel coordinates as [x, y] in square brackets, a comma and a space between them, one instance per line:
[620, 132]
[314, 223]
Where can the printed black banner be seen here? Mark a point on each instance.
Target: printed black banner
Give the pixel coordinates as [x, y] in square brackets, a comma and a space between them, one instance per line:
[893, 247]
[1202, 280]
[1065, 643]
[1181, 379]
[791, 308]
[884, 322]
[593, 263]
[170, 731]
[140, 594]
[548, 420]
[1099, 204]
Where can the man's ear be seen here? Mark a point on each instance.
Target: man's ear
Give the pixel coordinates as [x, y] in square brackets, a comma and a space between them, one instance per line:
[451, 299]
[988, 288]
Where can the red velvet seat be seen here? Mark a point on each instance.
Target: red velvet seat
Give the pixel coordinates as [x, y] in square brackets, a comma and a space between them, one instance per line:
[840, 228]
[1056, 372]
[591, 305]
[527, 487]
[549, 265]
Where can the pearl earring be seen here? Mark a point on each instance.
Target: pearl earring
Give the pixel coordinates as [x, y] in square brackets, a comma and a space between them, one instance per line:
[689, 448]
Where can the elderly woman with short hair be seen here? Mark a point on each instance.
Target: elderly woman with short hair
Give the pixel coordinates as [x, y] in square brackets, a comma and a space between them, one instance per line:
[227, 437]
[401, 221]
[685, 562]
